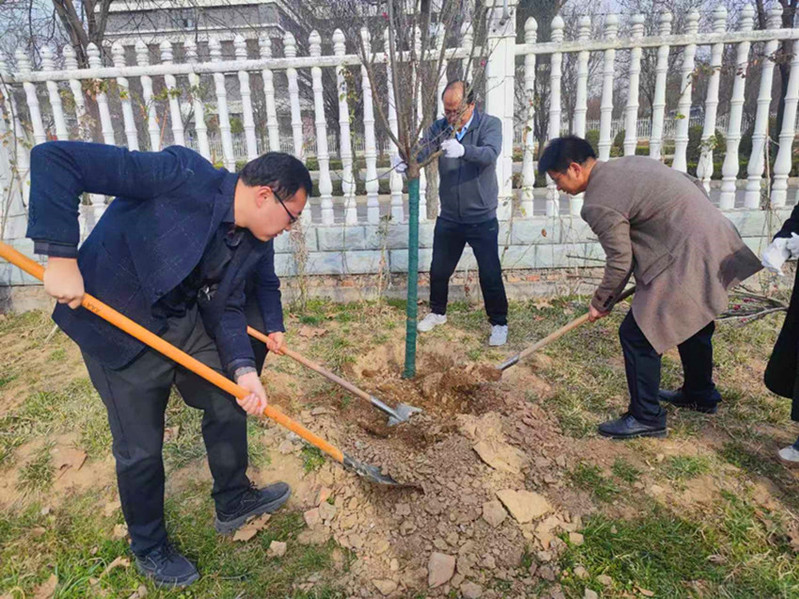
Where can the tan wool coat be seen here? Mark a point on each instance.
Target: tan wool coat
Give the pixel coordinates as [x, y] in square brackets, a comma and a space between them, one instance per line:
[658, 224]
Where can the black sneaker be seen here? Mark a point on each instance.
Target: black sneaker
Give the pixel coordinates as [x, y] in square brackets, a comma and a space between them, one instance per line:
[167, 568]
[254, 502]
[678, 400]
[628, 427]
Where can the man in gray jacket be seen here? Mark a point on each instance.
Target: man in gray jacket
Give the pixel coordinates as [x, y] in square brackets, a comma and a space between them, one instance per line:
[468, 191]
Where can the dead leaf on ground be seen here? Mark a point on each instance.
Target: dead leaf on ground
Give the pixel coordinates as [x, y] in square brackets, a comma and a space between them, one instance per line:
[311, 332]
[646, 592]
[792, 530]
[120, 531]
[139, 593]
[47, 589]
[542, 305]
[119, 562]
[65, 458]
[111, 507]
[171, 433]
[249, 530]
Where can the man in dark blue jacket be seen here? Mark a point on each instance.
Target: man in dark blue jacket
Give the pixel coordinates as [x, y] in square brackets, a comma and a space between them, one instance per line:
[471, 142]
[182, 250]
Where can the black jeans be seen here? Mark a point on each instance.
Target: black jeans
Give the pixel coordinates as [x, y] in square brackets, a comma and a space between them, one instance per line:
[642, 365]
[136, 397]
[449, 239]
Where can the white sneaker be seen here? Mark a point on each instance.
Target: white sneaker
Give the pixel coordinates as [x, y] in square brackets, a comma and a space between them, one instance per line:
[429, 322]
[499, 334]
[789, 455]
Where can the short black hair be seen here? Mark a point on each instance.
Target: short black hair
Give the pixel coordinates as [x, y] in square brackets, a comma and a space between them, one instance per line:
[467, 89]
[562, 151]
[280, 171]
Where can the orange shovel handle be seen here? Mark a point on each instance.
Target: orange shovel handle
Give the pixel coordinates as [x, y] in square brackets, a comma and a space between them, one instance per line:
[170, 351]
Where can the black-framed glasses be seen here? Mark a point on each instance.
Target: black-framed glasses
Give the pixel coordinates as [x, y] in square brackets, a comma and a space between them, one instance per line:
[292, 219]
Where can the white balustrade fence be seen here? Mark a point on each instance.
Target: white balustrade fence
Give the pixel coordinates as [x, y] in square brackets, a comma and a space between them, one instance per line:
[147, 98]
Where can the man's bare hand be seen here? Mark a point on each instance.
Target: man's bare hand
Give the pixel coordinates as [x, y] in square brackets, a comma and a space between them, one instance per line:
[63, 281]
[255, 403]
[594, 314]
[276, 342]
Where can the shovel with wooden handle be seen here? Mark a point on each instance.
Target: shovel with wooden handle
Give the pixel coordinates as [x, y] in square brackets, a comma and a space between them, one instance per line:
[395, 415]
[556, 335]
[107, 313]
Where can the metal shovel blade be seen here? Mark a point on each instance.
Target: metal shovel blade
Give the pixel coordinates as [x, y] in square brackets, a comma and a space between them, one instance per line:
[398, 415]
[403, 413]
[371, 473]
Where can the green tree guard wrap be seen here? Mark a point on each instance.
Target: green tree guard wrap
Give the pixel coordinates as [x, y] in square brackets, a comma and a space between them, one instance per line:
[411, 308]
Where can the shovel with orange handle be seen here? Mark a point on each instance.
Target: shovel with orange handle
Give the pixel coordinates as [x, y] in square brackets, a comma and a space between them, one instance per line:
[107, 313]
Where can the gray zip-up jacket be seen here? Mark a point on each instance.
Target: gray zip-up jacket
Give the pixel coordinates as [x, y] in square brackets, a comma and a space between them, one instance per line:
[467, 185]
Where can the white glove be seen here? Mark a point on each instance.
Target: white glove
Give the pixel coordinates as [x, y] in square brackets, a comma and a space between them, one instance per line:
[398, 164]
[775, 255]
[793, 245]
[452, 148]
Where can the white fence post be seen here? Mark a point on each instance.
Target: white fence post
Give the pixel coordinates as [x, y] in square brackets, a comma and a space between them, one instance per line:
[200, 128]
[348, 180]
[782, 163]
[500, 71]
[172, 92]
[528, 164]
[118, 54]
[322, 154]
[269, 93]
[729, 170]
[290, 51]
[659, 103]
[248, 121]
[143, 60]
[631, 110]
[223, 114]
[55, 98]
[395, 179]
[704, 169]
[606, 106]
[555, 74]
[760, 132]
[684, 105]
[370, 152]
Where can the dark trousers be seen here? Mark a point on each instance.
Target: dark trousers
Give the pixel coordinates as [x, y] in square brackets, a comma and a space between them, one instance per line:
[136, 397]
[642, 364]
[449, 239]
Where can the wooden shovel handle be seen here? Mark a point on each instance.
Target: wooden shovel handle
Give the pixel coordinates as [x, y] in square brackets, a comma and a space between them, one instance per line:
[567, 327]
[173, 353]
[314, 366]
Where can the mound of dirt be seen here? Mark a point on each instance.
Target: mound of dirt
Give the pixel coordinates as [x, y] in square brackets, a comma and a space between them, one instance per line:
[476, 442]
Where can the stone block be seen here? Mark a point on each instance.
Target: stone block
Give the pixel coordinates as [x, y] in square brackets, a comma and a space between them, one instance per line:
[285, 265]
[399, 260]
[283, 244]
[573, 229]
[528, 231]
[341, 237]
[375, 237]
[397, 236]
[362, 262]
[752, 223]
[518, 256]
[553, 255]
[325, 263]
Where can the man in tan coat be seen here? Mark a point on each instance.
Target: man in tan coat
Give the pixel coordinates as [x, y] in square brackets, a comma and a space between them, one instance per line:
[659, 225]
